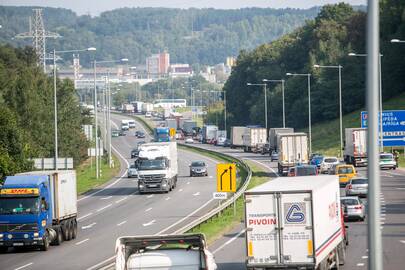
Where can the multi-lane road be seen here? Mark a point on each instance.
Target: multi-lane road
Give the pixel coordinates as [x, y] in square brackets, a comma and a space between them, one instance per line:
[117, 209]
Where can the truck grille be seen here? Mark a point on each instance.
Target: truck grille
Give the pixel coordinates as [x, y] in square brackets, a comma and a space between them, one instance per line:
[18, 227]
[155, 178]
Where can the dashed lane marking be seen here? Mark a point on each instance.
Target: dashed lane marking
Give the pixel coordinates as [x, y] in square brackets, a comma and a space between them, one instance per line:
[88, 226]
[102, 208]
[120, 200]
[149, 223]
[106, 198]
[82, 217]
[168, 198]
[147, 210]
[121, 223]
[360, 264]
[24, 266]
[83, 241]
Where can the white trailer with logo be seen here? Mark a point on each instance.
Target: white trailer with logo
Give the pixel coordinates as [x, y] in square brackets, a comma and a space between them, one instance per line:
[295, 223]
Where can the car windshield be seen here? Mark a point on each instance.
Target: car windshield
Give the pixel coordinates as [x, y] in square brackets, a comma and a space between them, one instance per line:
[387, 156]
[345, 170]
[330, 160]
[350, 201]
[11, 206]
[198, 164]
[359, 181]
[132, 166]
[152, 164]
[318, 158]
[303, 171]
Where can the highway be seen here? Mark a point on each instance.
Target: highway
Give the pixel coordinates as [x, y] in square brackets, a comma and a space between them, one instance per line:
[116, 209]
[230, 253]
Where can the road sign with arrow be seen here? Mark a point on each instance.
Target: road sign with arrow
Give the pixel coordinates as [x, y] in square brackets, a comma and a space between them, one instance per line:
[226, 177]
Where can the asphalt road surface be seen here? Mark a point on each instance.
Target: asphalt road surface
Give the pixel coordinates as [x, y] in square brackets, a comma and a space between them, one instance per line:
[117, 210]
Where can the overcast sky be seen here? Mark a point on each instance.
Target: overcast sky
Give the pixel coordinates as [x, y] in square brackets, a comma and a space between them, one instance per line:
[94, 7]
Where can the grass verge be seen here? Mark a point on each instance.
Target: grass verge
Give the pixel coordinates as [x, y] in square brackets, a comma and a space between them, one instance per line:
[218, 225]
[86, 174]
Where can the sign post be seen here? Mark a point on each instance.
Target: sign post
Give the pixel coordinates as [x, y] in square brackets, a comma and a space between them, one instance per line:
[226, 180]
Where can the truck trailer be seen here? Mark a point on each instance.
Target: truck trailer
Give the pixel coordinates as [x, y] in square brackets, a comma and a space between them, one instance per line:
[236, 136]
[38, 209]
[209, 133]
[254, 139]
[293, 150]
[273, 132]
[295, 223]
[157, 167]
[355, 151]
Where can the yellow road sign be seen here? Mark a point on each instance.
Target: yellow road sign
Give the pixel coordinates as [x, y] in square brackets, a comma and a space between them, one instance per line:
[226, 177]
[172, 132]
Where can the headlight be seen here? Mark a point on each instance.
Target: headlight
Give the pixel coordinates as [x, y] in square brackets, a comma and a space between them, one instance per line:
[1, 235]
[43, 223]
[36, 234]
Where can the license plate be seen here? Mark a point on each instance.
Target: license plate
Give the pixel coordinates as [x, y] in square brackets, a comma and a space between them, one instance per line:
[152, 185]
[18, 244]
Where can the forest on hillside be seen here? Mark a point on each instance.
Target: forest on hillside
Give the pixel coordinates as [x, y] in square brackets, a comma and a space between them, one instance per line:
[194, 36]
[326, 40]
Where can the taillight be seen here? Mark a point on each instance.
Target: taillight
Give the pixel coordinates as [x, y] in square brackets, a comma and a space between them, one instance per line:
[358, 207]
[349, 186]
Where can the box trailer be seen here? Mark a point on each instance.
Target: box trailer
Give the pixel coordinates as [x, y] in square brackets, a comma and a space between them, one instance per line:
[295, 223]
[273, 132]
[236, 136]
[355, 151]
[293, 150]
[209, 133]
[254, 139]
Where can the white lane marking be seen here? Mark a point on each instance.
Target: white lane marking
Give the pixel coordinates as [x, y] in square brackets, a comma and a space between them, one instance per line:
[389, 176]
[382, 218]
[211, 176]
[188, 183]
[82, 217]
[149, 196]
[229, 241]
[102, 208]
[397, 174]
[147, 210]
[180, 190]
[88, 226]
[196, 194]
[121, 223]
[120, 200]
[149, 223]
[168, 198]
[97, 266]
[402, 241]
[83, 241]
[113, 183]
[360, 264]
[265, 165]
[186, 217]
[364, 257]
[383, 215]
[106, 198]
[25, 265]
[400, 188]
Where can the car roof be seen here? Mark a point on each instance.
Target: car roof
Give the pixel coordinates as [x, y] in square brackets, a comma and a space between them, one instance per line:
[306, 166]
[344, 165]
[350, 197]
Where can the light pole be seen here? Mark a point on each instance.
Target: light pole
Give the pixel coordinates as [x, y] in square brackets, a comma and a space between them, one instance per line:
[265, 98]
[224, 109]
[55, 98]
[308, 75]
[380, 95]
[395, 40]
[339, 67]
[95, 109]
[282, 93]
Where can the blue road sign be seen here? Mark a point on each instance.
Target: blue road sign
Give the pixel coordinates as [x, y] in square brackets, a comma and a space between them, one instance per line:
[393, 123]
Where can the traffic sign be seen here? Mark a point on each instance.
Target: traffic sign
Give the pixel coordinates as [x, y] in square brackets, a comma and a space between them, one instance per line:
[393, 123]
[219, 195]
[172, 132]
[226, 177]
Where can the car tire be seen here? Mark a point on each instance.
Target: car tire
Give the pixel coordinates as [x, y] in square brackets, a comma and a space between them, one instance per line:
[3, 250]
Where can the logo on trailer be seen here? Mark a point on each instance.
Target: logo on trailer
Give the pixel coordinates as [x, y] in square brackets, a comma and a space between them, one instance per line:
[295, 213]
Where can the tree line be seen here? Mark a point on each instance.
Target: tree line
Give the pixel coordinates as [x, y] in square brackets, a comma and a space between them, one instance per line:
[27, 114]
[326, 40]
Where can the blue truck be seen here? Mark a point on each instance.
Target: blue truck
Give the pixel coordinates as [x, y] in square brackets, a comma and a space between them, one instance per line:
[161, 134]
[38, 209]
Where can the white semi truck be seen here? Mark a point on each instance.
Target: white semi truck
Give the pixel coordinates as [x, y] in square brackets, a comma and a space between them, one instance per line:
[355, 151]
[157, 167]
[188, 252]
[254, 139]
[292, 150]
[273, 132]
[236, 136]
[295, 223]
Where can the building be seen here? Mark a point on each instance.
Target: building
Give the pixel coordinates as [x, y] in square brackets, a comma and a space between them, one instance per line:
[170, 103]
[180, 71]
[157, 65]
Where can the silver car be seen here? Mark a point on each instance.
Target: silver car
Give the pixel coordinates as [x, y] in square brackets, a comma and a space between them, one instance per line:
[132, 171]
[357, 186]
[353, 208]
[387, 161]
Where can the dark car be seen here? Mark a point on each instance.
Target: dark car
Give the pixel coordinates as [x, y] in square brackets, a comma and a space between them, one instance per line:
[122, 133]
[141, 134]
[134, 153]
[140, 143]
[227, 143]
[198, 168]
[306, 170]
[317, 161]
[266, 149]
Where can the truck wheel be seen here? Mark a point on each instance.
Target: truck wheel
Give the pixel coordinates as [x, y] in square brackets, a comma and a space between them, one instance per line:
[74, 231]
[45, 245]
[59, 237]
[3, 249]
[70, 229]
[65, 231]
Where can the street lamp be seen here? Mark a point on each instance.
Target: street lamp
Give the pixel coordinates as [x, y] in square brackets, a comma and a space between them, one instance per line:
[265, 98]
[108, 114]
[55, 98]
[308, 75]
[282, 93]
[380, 94]
[395, 40]
[339, 67]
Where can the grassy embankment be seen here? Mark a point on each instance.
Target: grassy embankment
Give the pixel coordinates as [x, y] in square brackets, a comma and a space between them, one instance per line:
[326, 136]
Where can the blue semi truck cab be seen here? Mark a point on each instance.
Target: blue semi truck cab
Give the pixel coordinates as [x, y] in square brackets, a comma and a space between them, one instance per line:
[38, 209]
[161, 134]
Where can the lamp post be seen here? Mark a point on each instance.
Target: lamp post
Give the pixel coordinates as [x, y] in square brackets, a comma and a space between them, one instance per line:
[380, 95]
[339, 67]
[95, 111]
[265, 98]
[224, 109]
[55, 97]
[395, 40]
[282, 93]
[308, 75]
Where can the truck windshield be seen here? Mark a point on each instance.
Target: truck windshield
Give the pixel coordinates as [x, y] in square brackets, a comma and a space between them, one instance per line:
[151, 164]
[11, 206]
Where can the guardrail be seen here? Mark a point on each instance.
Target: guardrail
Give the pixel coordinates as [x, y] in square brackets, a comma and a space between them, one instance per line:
[228, 203]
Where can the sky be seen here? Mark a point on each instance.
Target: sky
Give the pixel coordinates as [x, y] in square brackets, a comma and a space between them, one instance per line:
[95, 7]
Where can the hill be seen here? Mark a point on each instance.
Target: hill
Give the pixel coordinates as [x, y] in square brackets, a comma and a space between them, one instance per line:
[194, 36]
